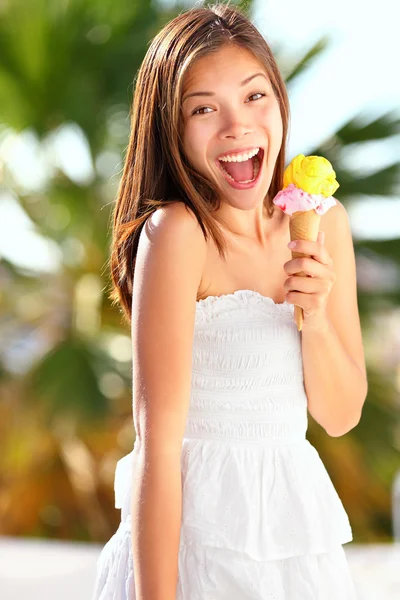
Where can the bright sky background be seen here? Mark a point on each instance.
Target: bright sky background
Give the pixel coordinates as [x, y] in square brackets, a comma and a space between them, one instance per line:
[358, 74]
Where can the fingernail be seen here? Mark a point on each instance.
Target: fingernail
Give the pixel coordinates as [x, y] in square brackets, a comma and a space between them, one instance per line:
[292, 245]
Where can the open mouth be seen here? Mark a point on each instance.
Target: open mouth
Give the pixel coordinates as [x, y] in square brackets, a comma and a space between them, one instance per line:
[244, 174]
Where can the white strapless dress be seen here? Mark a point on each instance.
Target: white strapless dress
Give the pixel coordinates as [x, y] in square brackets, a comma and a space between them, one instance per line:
[261, 519]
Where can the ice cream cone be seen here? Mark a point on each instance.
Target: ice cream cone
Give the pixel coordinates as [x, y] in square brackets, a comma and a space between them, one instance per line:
[308, 185]
[303, 225]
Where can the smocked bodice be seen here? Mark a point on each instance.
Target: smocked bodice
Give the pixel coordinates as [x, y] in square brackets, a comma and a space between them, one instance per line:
[247, 377]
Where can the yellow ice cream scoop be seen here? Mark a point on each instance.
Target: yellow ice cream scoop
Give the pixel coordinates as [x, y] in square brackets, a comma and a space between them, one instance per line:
[313, 174]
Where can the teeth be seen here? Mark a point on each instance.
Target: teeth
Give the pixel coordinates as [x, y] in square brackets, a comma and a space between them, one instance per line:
[239, 157]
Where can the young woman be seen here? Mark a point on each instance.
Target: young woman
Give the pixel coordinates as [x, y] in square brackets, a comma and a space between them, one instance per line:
[223, 497]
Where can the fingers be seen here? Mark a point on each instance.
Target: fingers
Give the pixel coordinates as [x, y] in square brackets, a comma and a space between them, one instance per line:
[306, 264]
[314, 249]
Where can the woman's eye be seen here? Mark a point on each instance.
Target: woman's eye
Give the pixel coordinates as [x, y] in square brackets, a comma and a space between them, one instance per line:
[257, 94]
[197, 110]
[203, 107]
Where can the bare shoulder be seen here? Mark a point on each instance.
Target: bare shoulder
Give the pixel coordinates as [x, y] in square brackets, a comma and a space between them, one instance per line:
[176, 214]
[169, 265]
[336, 216]
[338, 237]
[343, 304]
[173, 241]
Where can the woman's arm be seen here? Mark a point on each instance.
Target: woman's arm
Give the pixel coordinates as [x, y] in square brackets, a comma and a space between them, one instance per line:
[333, 358]
[168, 271]
[336, 386]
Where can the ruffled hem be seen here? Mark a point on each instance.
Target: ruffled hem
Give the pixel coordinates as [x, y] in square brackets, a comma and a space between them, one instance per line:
[220, 574]
[115, 577]
[269, 502]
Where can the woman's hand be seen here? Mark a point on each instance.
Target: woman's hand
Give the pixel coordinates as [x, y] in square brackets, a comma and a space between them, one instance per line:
[310, 293]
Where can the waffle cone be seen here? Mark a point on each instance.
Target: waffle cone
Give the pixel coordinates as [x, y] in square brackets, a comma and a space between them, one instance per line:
[303, 225]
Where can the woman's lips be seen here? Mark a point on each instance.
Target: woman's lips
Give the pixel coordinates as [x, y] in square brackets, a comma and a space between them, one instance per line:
[244, 186]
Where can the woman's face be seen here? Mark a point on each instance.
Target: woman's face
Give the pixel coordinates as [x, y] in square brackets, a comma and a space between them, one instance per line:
[231, 119]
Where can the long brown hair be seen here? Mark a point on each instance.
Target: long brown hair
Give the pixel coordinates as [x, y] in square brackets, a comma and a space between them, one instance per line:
[156, 170]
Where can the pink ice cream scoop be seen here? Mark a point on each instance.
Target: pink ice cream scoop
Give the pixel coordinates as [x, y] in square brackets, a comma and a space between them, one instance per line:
[293, 199]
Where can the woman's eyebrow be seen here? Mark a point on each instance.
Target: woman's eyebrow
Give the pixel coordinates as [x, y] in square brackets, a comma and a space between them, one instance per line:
[244, 82]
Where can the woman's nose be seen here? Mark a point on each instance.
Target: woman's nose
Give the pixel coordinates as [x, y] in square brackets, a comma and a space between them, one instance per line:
[236, 122]
[236, 125]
